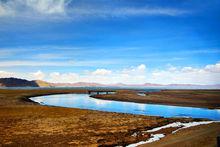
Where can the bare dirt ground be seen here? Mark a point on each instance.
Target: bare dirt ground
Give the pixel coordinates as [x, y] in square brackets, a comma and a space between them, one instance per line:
[191, 98]
[24, 123]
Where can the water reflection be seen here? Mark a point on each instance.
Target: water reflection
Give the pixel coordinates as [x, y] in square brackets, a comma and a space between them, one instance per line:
[83, 101]
[98, 102]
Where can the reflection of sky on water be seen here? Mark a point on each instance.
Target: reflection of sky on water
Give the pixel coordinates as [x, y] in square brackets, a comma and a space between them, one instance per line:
[83, 101]
[102, 102]
[141, 106]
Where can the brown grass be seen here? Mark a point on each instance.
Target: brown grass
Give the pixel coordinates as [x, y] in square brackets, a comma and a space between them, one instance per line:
[25, 123]
[190, 98]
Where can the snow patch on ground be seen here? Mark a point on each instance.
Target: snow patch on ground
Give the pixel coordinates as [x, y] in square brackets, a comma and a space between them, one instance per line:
[156, 137]
[172, 125]
[182, 125]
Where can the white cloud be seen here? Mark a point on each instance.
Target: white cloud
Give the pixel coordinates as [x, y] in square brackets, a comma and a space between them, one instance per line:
[141, 68]
[101, 72]
[5, 74]
[63, 78]
[172, 69]
[47, 6]
[187, 69]
[213, 68]
[24, 8]
[128, 75]
[209, 74]
[4, 11]
[39, 75]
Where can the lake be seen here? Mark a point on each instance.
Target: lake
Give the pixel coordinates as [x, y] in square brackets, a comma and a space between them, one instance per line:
[84, 101]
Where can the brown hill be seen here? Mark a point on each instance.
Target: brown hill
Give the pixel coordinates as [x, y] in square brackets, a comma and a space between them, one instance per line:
[41, 83]
[15, 82]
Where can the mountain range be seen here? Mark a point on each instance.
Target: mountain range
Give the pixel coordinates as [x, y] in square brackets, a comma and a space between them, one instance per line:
[15, 82]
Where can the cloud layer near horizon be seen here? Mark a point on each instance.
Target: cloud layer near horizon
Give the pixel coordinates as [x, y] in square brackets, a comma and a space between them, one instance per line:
[210, 74]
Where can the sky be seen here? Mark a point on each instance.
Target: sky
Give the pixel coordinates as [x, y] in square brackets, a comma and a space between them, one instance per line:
[111, 41]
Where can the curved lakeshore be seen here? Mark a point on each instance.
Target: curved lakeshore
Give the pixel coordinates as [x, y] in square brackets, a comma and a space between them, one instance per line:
[189, 98]
[85, 101]
[22, 121]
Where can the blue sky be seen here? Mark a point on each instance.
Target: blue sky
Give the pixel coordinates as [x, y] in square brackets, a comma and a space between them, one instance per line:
[111, 41]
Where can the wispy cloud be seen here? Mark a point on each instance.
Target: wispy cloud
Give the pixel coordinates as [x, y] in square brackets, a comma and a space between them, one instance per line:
[38, 63]
[30, 8]
[203, 51]
[126, 11]
[61, 8]
[50, 56]
[5, 53]
[87, 56]
[151, 11]
[32, 63]
[5, 9]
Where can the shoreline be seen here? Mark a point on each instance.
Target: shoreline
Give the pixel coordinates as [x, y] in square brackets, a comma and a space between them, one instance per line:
[133, 97]
[166, 104]
[208, 99]
[42, 101]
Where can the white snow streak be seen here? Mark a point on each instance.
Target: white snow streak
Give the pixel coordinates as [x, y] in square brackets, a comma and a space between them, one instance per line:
[156, 137]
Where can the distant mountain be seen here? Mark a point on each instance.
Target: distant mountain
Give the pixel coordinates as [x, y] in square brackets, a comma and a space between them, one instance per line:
[193, 86]
[152, 85]
[183, 85]
[135, 85]
[15, 82]
[78, 84]
[118, 85]
[85, 84]
[42, 83]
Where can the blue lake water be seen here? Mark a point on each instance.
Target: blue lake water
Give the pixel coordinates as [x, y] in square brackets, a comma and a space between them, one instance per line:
[83, 101]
